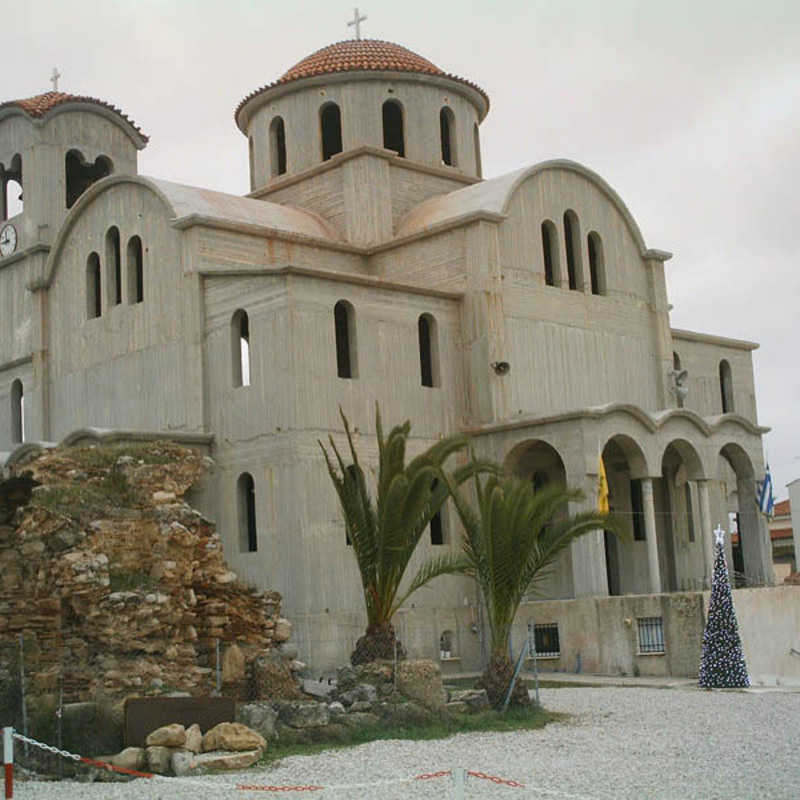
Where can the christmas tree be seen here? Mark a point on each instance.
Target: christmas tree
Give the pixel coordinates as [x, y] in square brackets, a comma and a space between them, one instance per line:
[723, 664]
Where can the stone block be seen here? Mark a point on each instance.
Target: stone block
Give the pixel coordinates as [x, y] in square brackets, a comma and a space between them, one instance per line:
[261, 717]
[232, 736]
[421, 680]
[173, 735]
[194, 739]
[129, 758]
[304, 714]
[159, 759]
[220, 760]
[282, 631]
[233, 664]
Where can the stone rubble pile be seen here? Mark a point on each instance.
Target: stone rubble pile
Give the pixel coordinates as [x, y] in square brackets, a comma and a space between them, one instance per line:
[119, 586]
[175, 750]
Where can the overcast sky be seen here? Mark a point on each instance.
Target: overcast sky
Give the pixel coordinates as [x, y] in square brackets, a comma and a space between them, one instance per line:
[690, 110]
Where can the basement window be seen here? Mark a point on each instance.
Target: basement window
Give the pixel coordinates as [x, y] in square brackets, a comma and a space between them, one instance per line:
[546, 641]
[651, 636]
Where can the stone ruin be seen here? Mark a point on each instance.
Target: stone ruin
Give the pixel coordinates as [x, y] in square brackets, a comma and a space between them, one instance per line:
[120, 588]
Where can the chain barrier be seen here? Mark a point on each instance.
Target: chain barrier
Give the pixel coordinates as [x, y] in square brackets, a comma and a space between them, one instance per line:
[495, 779]
[246, 787]
[92, 762]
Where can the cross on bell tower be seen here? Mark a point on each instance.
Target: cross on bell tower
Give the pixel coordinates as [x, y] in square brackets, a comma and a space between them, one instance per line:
[356, 22]
[54, 79]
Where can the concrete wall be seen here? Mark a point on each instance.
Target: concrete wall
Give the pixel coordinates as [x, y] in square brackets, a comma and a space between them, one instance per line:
[360, 100]
[701, 356]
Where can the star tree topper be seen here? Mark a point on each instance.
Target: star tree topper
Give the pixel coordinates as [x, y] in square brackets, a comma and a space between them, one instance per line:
[719, 534]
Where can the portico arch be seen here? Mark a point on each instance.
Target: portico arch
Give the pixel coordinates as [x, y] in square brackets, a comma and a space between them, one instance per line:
[626, 561]
[680, 525]
[540, 463]
[748, 550]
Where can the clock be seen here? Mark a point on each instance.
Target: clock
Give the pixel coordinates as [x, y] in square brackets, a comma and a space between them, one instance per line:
[8, 240]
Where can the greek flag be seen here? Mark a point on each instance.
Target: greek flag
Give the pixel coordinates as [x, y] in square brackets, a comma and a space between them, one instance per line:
[765, 499]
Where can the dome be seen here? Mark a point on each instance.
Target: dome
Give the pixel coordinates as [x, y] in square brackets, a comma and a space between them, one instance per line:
[41, 105]
[359, 55]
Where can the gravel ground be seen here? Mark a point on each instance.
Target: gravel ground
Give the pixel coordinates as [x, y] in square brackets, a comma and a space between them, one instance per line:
[617, 744]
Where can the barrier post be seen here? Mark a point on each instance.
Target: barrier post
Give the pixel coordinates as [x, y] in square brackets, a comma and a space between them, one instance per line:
[8, 761]
[459, 775]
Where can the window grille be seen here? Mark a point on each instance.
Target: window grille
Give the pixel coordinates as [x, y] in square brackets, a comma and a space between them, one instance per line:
[651, 635]
[545, 637]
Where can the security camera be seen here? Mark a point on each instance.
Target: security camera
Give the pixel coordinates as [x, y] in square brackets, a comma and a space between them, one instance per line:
[501, 367]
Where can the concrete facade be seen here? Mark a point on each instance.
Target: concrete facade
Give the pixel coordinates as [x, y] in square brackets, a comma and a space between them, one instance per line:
[550, 341]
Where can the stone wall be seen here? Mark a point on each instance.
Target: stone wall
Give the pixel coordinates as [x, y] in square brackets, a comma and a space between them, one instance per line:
[117, 585]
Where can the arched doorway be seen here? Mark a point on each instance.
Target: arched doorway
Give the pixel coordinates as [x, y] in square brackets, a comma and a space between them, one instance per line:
[679, 520]
[540, 463]
[748, 550]
[627, 568]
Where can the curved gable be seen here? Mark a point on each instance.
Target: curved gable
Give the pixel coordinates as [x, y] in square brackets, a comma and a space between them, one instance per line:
[494, 197]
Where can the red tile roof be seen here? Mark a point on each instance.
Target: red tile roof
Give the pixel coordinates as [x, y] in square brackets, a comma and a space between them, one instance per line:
[359, 55]
[40, 105]
[782, 509]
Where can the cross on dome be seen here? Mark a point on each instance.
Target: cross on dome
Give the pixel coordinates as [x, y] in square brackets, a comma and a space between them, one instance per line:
[54, 79]
[356, 21]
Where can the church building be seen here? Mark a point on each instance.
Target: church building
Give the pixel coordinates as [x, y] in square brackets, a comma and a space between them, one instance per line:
[370, 262]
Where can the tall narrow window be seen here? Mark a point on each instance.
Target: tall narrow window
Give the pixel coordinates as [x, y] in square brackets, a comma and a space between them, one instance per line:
[344, 323]
[81, 174]
[447, 132]
[428, 350]
[572, 242]
[251, 151]
[277, 145]
[93, 286]
[17, 413]
[637, 510]
[135, 270]
[676, 366]
[550, 253]
[687, 495]
[113, 267]
[248, 531]
[726, 386]
[240, 348]
[597, 269]
[476, 139]
[393, 137]
[11, 195]
[437, 529]
[330, 119]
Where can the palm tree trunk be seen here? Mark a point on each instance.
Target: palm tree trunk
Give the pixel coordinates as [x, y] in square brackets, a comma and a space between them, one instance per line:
[377, 643]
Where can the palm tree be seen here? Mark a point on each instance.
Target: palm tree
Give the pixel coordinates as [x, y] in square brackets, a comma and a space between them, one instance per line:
[511, 540]
[384, 534]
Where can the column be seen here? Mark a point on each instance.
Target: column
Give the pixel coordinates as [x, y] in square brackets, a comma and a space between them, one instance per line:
[589, 578]
[650, 535]
[706, 530]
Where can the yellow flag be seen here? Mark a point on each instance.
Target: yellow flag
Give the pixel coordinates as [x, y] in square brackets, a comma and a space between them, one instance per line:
[602, 487]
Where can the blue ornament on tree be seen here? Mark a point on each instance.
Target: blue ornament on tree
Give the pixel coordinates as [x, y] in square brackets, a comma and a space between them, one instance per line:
[722, 665]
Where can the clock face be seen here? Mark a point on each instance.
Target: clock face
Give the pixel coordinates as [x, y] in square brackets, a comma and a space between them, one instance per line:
[8, 240]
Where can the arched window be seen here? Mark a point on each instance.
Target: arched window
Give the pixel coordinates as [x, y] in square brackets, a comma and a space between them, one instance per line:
[476, 139]
[80, 174]
[330, 120]
[572, 241]
[248, 531]
[93, 285]
[393, 138]
[113, 267]
[726, 387]
[447, 132]
[436, 526]
[135, 270]
[11, 194]
[597, 267]
[17, 413]
[250, 150]
[428, 350]
[277, 144]
[550, 253]
[240, 348]
[344, 319]
[676, 366]
[446, 645]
